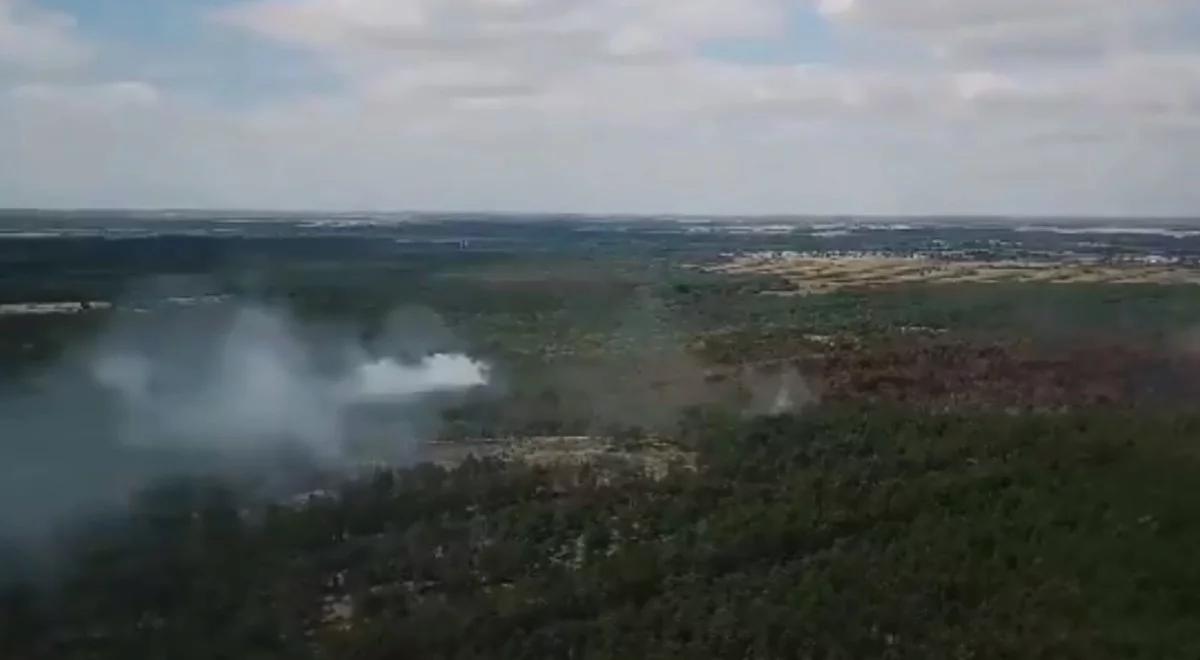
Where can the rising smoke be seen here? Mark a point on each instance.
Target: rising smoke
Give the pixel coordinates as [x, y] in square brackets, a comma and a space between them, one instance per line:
[224, 390]
[258, 386]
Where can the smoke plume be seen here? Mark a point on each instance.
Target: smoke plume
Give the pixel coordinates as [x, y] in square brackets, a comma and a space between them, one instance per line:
[226, 389]
[258, 386]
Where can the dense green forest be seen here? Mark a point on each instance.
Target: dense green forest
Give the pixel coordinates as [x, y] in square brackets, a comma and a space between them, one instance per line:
[965, 471]
[844, 533]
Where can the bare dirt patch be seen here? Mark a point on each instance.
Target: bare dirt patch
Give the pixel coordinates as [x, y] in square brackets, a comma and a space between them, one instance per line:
[652, 457]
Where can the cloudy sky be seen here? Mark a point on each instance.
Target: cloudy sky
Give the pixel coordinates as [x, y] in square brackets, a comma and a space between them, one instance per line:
[680, 106]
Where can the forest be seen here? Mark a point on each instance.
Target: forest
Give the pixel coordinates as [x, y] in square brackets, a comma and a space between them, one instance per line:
[842, 533]
[912, 471]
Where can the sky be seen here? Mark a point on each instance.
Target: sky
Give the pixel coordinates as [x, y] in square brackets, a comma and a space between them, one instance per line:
[894, 107]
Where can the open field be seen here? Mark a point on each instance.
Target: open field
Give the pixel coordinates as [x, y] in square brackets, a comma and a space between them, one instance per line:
[824, 274]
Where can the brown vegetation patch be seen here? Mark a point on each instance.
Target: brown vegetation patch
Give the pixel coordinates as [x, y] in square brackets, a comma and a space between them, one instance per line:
[816, 275]
[649, 456]
[932, 372]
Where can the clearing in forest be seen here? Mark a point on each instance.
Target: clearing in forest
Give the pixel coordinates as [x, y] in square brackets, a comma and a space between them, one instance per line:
[825, 274]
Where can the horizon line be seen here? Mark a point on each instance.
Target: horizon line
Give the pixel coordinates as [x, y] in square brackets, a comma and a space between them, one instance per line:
[544, 214]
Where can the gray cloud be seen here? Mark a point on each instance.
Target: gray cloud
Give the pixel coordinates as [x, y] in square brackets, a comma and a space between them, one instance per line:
[922, 106]
[35, 40]
[1021, 32]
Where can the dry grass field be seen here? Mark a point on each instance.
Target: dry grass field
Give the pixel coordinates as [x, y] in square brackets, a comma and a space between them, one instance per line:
[816, 275]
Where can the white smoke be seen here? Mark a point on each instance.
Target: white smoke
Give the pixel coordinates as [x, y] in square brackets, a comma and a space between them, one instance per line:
[783, 402]
[256, 386]
[387, 379]
[793, 394]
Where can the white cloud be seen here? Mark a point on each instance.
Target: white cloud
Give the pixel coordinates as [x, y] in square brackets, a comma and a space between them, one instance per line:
[1009, 106]
[35, 39]
[455, 24]
[535, 42]
[1034, 32]
[96, 98]
[958, 14]
[633, 60]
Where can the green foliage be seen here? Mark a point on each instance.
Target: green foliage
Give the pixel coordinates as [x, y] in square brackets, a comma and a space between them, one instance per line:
[843, 533]
[1050, 312]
